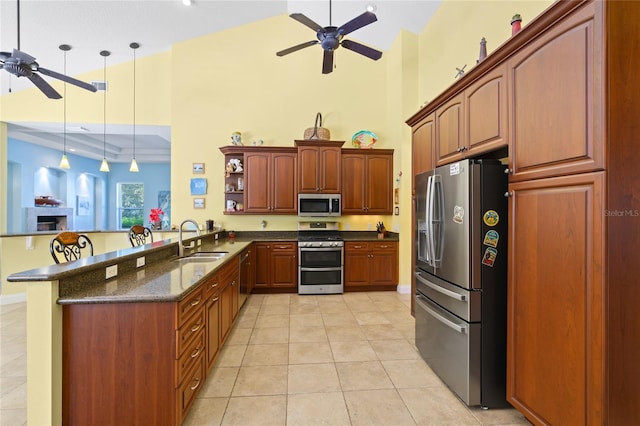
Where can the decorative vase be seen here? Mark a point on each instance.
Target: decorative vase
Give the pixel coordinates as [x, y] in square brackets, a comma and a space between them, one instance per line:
[516, 22]
[156, 225]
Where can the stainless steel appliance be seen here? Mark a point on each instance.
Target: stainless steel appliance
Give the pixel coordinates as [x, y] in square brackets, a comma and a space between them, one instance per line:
[320, 258]
[461, 280]
[319, 205]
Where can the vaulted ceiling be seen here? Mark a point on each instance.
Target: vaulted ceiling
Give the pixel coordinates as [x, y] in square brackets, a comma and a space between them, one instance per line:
[90, 26]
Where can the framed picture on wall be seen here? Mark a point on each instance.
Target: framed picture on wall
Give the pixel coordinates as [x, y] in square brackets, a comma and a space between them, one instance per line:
[83, 205]
[198, 168]
[198, 186]
[198, 203]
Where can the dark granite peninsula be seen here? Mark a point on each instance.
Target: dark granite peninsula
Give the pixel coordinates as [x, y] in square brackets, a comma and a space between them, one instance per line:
[134, 348]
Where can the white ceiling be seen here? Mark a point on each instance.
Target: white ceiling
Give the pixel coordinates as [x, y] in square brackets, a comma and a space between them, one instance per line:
[91, 26]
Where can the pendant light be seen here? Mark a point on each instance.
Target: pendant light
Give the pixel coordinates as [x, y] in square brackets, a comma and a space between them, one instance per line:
[134, 163]
[64, 161]
[104, 167]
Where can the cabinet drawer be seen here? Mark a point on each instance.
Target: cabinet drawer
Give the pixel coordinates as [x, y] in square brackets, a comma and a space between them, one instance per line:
[188, 332]
[283, 246]
[190, 387]
[193, 350]
[190, 304]
[383, 246]
[211, 286]
[356, 246]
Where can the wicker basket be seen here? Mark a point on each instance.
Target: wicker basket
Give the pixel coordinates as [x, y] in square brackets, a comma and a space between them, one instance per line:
[317, 131]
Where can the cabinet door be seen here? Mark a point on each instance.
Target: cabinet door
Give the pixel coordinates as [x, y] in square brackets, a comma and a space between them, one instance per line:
[423, 145]
[226, 310]
[555, 348]
[384, 263]
[555, 97]
[356, 264]
[262, 264]
[486, 114]
[449, 128]
[308, 176]
[213, 328]
[353, 183]
[330, 170]
[257, 185]
[379, 184]
[284, 265]
[284, 191]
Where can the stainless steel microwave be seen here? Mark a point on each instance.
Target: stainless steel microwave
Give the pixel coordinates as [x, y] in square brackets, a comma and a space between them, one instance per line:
[319, 205]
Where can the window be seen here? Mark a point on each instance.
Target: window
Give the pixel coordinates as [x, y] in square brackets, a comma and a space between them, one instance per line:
[130, 204]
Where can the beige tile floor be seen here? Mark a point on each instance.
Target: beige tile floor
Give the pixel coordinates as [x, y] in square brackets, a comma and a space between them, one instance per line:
[299, 360]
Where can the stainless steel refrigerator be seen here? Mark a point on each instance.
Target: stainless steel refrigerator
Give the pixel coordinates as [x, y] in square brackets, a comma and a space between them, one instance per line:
[461, 280]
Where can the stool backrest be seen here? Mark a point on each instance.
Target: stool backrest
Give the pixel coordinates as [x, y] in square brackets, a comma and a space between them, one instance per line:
[68, 246]
[140, 235]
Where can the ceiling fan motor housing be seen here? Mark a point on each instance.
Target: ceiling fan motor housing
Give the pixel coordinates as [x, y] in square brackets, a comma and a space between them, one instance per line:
[17, 68]
[329, 38]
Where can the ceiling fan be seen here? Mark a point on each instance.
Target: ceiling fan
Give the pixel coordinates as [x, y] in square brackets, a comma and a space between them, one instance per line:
[21, 64]
[330, 38]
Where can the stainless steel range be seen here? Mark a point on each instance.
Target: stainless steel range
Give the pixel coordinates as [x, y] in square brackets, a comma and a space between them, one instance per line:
[320, 258]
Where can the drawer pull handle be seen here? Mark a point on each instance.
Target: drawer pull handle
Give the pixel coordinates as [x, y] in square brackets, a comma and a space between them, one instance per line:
[195, 302]
[197, 381]
[195, 353]
[215, 299]
[384, 246]
[196, 327]
[358, 247]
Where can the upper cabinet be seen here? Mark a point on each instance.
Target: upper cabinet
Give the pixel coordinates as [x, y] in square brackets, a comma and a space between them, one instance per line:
[269, 183]
[367, 181]
[423, 135]
[554, 98]
[449, 131]
[319, 166]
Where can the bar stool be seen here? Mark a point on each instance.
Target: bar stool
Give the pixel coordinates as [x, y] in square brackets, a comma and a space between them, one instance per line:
[138, 235]
[70, 245]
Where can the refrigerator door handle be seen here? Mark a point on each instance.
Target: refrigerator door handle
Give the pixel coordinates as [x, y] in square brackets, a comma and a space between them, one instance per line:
[427, 221]
[450, 324]
[448, 293]
[437, 240]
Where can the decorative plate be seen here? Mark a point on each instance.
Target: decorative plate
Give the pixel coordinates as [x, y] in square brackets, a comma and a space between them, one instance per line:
[364, 139]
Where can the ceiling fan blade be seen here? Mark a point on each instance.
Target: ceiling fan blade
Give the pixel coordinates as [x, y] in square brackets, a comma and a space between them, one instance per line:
[362, 49]
[68, 79]
[23, 56]
[297, 47]
[306, 21]
[44, 86]
[358, 22]
[327, 62]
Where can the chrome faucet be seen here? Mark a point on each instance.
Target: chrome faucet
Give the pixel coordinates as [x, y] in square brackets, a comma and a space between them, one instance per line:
[181, 245]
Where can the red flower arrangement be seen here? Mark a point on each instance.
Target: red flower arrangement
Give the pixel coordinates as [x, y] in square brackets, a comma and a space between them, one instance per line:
[154, 216]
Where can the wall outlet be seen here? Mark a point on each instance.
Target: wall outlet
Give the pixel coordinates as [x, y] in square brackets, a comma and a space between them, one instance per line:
[347, 226]
[29, 242]
[396, 228]
[112, 271]
[215, 236]
[140, 261]
[369, 226]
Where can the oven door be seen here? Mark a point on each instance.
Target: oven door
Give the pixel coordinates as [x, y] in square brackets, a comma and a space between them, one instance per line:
[320, 257]
[320, 270]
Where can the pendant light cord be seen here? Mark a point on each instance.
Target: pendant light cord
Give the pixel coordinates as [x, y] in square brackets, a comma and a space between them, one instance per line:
[134, 102]
[104, 111]
[64, 109]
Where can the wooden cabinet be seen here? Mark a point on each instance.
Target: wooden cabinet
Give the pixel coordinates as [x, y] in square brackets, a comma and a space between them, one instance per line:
[270, 183]
[276, 266]
[486, 113]
[319, 166]
[371, 265]
[450, 131]
[555, 295]
[423, 142]
[212, 311]
[367, 181]
[556, 113]
[229, 289]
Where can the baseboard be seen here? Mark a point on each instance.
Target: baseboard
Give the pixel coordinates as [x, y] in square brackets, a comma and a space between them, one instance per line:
[13, 298]
[404, 288]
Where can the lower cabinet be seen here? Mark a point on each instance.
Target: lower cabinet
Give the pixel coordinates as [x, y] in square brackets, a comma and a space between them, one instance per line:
[276, 265]
[371, 265]
[144, 363]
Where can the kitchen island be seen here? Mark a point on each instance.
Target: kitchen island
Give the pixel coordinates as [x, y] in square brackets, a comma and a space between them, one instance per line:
[131, 344]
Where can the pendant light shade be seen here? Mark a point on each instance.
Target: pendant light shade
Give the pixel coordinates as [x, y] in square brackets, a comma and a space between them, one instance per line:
[134, 163]
[104, 166]
[64, 161]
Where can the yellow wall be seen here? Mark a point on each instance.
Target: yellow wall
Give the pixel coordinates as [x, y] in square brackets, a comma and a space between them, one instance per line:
[210, 86]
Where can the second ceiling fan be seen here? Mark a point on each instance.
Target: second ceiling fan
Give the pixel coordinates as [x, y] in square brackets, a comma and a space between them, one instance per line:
[330, 38]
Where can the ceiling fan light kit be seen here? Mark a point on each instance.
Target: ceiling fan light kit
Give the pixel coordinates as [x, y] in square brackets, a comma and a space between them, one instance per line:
[330, 38]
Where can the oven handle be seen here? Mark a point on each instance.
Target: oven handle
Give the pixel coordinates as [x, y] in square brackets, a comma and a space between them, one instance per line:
[320, 269]
[448, 293]
[448, 323]
[320, 248]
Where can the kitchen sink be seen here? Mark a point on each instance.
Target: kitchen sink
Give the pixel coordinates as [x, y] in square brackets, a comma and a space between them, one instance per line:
[202, 256]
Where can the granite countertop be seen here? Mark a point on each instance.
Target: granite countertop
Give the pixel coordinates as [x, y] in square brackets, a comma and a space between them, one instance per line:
[162, 279]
